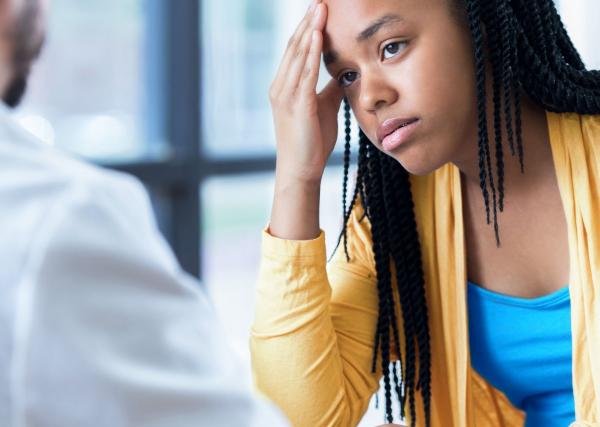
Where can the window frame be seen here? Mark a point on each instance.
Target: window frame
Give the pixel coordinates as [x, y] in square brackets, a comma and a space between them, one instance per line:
[174, 114]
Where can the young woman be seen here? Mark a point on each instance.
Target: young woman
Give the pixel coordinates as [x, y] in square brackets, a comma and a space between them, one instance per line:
[470, 283]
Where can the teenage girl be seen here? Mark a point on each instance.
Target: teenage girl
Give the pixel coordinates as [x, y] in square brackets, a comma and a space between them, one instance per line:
[443, 224]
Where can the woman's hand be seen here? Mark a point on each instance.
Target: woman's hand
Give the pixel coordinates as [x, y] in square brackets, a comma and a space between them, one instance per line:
[305, 123]
[306, 129]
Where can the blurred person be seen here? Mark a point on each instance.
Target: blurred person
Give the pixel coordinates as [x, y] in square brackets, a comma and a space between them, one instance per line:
[99, 326]
[470, 321]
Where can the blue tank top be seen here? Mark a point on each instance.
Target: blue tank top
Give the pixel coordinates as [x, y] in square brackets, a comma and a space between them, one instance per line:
[522, 347]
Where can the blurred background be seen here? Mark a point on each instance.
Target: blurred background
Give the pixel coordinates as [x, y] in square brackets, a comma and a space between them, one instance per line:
[175, 92]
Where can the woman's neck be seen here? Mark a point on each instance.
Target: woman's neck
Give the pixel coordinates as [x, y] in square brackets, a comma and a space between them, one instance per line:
[537, 156]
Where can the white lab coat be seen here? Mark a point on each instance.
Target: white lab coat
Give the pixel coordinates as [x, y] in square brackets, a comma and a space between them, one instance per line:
[99, 326]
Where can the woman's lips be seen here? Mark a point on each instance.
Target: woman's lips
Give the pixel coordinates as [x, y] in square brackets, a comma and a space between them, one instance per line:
[400, 135]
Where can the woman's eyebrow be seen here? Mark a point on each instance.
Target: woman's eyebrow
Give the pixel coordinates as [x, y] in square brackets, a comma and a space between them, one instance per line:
[332, 56]
[372, 29]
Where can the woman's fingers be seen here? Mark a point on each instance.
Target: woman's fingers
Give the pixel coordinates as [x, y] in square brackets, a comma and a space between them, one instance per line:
[292, 46]
[304, 24]
[297, 71]
[310, 74]
[312, 65]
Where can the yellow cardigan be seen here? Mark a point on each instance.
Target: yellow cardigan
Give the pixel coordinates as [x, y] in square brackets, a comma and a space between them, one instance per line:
[312, 336]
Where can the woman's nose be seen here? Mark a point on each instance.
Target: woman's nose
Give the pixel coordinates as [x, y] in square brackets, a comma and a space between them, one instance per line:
[376, 92]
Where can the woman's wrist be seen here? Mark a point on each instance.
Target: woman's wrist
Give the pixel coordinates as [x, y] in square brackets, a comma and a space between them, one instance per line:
[295, 212]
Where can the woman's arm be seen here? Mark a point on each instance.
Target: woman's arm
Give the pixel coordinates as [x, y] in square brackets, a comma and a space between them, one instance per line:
[305, 128]
[312, 338]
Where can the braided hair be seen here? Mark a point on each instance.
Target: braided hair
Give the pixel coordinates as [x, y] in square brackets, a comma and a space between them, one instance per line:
[529, 51]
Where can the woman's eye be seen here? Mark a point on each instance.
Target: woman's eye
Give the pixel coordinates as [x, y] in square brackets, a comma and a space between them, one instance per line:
[347, 78]
[392, 49]
[389, 51]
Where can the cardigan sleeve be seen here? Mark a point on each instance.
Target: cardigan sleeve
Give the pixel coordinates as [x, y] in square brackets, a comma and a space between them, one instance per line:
[313, 332]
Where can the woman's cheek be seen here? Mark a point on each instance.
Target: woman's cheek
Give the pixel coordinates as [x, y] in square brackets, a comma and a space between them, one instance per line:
[367, 122]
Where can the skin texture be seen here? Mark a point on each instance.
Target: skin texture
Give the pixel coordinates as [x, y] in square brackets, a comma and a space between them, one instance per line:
[412, 79]
[430, 75]
[305, 130]
[431, 78]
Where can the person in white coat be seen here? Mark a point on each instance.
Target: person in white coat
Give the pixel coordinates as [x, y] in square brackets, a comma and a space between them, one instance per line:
[99, 325]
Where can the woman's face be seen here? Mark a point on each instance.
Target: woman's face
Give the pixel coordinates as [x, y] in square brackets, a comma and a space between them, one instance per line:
[406, 59]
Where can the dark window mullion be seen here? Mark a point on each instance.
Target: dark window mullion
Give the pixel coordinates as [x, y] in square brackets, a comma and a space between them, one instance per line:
[173, 109]
[184, 124]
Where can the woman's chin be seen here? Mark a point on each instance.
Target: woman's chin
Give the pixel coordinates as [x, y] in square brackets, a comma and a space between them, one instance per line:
[416, 167]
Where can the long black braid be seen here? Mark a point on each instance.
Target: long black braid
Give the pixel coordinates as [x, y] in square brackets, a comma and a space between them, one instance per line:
[529, 50]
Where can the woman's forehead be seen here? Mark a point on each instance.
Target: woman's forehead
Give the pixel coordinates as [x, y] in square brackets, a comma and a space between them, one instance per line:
[356, 19]
[351, 16]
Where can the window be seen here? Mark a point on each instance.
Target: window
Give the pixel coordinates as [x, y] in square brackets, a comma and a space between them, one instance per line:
[242, 43]
[238, 39]
[87, 93]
